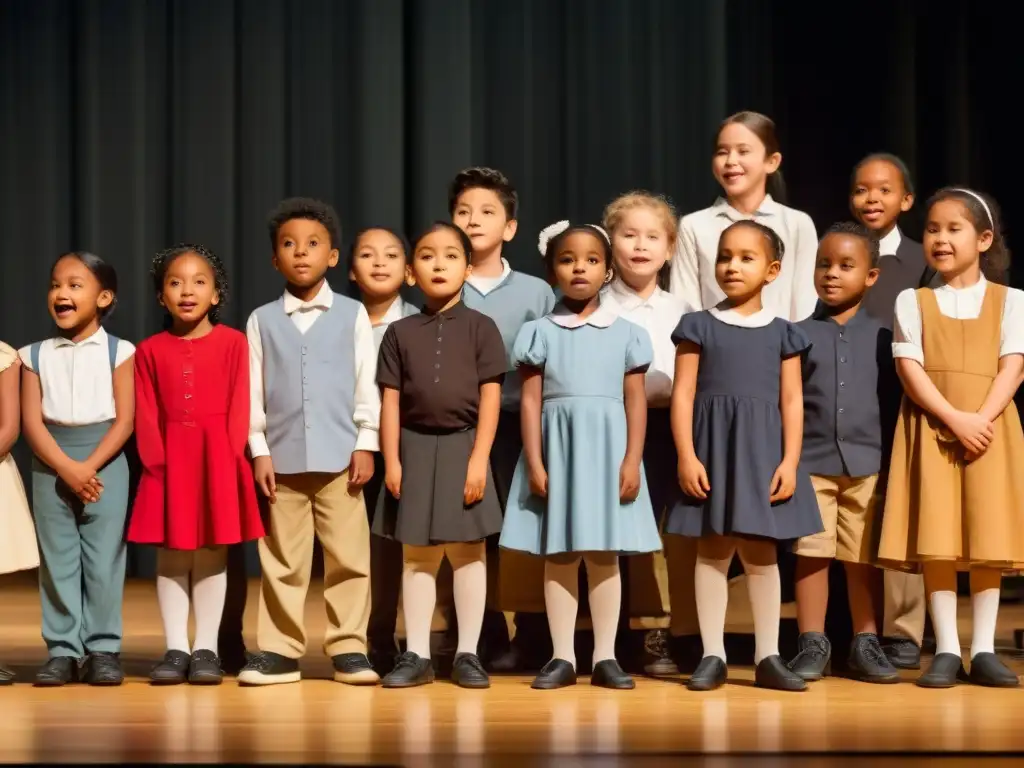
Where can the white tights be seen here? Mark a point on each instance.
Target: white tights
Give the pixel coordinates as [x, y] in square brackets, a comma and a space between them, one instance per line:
[206, 570]
[940, 583]
[562, 599]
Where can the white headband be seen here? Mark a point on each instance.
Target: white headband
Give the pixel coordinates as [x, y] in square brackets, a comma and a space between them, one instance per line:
[549, 233]
[980, 199]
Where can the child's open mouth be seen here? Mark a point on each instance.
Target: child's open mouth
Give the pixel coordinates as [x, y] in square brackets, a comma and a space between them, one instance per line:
[63, 310]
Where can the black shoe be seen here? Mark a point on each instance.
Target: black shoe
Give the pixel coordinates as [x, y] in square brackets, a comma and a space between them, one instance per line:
[468, 672]
[710, 674]
[868, 663]
[410, 670]
[902, 653]
[945, 671]
[103, 668]
[687, 652]
[204, 668]
[173, 670]
[354, 669]
[773, 673]
[509, 661]
[382, 662]
[813, 660]
[557, 673]
[59, 670]
[608, 674]
[659, 656]
[269, 668]
[6, 675]
[988, 670]
[233, 656]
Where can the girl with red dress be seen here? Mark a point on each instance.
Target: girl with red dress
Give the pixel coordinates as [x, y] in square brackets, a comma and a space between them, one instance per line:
[196, 495]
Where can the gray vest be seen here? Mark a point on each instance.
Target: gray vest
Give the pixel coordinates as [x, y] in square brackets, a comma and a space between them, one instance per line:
[309, 384]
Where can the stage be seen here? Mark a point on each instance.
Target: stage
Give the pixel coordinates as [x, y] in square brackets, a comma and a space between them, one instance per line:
[319, 721]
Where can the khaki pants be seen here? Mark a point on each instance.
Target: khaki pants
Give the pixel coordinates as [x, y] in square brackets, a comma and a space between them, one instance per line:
[307, 505]
[905, 606]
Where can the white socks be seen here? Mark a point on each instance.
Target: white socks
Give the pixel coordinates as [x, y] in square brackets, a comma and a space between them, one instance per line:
[942, 606]
[206, 569]
[711, 584]
[469, 585]
[765, 590]
[985, 606]
[562, 602]
[562, 599]
[605, 593]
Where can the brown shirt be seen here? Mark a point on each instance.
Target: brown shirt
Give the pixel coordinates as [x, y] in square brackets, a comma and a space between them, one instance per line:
[437, 362]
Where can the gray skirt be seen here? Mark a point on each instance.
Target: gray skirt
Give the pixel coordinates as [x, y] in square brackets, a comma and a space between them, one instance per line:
[431, 509]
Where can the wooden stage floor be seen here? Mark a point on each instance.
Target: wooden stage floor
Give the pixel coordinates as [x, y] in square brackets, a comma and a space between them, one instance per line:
[319, 721]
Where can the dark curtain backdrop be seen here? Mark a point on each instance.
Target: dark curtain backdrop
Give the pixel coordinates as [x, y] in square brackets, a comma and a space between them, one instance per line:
[129, 125]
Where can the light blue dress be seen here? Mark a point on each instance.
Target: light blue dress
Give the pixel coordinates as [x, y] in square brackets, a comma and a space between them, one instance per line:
[583, 423]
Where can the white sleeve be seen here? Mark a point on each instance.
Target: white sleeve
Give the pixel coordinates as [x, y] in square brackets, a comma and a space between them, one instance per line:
[803, 298]
[25, 353]
[1011, 340]
[366, 395]
[906, 327]
[258, 445]
[684, 267]
[125, 350]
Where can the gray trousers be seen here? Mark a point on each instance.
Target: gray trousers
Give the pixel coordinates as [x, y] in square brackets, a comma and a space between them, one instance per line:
[82, 550]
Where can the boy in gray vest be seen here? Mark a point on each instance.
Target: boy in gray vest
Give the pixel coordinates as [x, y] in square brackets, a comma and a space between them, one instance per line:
[315, 416]
[483, 203]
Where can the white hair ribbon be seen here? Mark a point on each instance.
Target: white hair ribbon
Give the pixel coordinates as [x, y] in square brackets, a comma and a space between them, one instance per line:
[980, 199]
[550, 232]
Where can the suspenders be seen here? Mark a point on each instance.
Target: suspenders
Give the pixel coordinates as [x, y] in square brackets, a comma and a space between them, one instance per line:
[111, 353]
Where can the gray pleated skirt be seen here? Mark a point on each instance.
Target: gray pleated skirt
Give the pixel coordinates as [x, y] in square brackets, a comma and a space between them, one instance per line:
[431, 509]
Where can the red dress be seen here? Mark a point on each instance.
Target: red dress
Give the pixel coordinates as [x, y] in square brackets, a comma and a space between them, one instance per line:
[191, 426]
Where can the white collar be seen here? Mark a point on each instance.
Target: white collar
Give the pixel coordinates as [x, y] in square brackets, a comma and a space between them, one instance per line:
[100, 337]
[479, 282]
[619, 292]
[395, 312]
[759, 319]
[889, 244]
[601, 317]
[768, 207]
[977, 288]
[323, 300]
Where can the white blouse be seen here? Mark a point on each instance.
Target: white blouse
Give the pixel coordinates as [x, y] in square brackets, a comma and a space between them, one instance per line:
[659, 315]
[959, 304]
[77, 384]
[790, 296]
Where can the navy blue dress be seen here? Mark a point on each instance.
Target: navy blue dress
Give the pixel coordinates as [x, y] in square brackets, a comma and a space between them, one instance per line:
[737, 433]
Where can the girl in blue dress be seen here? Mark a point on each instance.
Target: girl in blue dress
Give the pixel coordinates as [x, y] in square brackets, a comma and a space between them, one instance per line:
[737, 419]
[579, 491]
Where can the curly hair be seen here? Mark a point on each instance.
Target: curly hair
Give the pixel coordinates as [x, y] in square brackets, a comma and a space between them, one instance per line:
[104, 273]
[484, 178]
[776, 248]
[984, 215]
[858, 230]
[163, 260]
[304, 208]
[616, 210]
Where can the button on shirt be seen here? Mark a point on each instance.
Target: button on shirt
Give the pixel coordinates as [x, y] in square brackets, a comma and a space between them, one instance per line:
[437, 362]
[842, 372]
[75, 377]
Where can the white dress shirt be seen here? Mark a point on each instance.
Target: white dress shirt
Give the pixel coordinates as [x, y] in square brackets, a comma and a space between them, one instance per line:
[366, 396]
[487, 284]
[78, 388]
[888, 245]
[791, 296]
[959, 304]
[659, 314]
[399, 308]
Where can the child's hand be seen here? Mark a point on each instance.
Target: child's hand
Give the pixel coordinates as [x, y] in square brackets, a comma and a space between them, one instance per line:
[973, 431]
[393, 479]
[360, 469]
[783, 483]
[82, 481]
[539, 482]
[693, 478]
[476, 480]
[263, 471]
[629, 481]
[92, 492]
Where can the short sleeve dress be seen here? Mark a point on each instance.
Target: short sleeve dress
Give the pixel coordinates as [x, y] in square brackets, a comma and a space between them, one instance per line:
[18, 548]
[583, 424]
[737, 432]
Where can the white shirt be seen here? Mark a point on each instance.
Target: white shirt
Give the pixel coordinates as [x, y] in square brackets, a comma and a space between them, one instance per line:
[78, 388]
[487, 284]
[601, 317]
[759, 319]
[791, 296]
[959, 304]
[888, 245]
[659, 315]
[366, 396]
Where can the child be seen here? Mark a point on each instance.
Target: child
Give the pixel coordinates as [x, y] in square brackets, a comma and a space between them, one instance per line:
[313, 431]
[579, 489]
[643, 229]
[440, 374]
[77, 405]
[18, 548]
[737, 418]
[746, 165]
[955, 489]
[880, 190]
[483, 203]
[842, 450]
[378, 266]
[196, 494]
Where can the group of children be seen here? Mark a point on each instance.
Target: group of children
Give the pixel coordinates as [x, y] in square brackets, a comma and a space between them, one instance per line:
[722, 385]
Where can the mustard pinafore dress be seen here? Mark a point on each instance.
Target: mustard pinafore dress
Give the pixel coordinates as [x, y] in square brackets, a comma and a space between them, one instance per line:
[939, 506]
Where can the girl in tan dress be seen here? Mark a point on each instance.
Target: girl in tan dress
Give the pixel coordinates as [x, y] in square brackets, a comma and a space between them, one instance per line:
[955, 496]
[18, 550]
